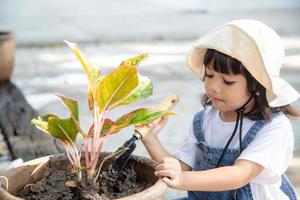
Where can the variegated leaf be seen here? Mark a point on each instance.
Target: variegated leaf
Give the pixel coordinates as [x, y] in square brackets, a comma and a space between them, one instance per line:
[116, 86]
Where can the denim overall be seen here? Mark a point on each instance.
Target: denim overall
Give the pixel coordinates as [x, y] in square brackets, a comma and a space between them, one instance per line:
[210, 156]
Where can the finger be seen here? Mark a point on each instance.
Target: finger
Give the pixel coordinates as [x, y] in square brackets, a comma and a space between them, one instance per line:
[163, 166]
[163, 119]
[160, 120]
[168, 166]
[169, 182]
[157, 128]
[166, 173]
[149, 125]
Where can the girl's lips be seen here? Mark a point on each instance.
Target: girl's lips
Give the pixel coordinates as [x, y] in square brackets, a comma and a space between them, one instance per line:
[216, 100]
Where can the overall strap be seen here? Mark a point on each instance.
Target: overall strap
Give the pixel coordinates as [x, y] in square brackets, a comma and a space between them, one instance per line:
[255, 128]
[197, 126]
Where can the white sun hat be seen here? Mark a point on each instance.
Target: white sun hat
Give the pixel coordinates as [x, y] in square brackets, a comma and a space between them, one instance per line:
[259, 49]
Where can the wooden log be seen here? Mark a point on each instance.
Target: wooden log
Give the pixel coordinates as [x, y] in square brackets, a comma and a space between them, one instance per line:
[21, 139]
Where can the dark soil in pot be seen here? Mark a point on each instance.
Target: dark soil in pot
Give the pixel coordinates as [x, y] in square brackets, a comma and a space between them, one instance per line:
[60, 183]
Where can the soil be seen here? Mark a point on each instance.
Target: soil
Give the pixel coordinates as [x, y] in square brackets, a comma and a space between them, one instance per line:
[60, 183]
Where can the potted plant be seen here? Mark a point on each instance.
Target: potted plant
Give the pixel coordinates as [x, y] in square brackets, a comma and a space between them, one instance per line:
[87, 172]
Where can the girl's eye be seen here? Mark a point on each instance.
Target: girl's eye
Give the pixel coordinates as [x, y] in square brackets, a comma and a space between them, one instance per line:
[208, 75]
[228, 82]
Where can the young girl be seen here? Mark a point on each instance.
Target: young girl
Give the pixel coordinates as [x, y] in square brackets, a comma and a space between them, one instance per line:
[240, 145]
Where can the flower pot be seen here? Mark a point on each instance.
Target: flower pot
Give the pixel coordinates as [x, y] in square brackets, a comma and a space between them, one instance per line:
[34, 170]
[7, 55]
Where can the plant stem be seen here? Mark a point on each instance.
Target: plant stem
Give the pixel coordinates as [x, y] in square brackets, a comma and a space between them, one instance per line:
[86, 152]
[100, 167]
[98, 141]
[74, 158]
[69, 156]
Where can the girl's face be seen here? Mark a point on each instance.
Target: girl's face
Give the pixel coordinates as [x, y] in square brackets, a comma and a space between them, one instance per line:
[226, 92]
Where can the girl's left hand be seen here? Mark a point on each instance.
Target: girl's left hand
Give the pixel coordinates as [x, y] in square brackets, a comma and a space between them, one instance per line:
[170, 170]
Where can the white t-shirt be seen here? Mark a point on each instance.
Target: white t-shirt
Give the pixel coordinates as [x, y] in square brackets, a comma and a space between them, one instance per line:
[272, 148]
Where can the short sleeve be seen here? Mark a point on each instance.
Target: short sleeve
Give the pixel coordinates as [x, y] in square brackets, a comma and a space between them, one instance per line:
[188, 151]
[272, 148]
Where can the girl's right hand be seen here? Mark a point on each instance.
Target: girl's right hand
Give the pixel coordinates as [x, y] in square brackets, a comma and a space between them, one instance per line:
[152, 129]
[171, 172]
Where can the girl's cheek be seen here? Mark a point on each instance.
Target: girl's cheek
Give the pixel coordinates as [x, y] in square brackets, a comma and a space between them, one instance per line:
[206, 86]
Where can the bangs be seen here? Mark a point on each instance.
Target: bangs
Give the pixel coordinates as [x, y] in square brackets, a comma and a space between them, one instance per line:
[222, 63]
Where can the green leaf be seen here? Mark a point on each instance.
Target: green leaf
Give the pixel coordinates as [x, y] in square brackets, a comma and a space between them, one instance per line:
[143, 90]
[42, 122]
[138, 117]
[72, 106]
[106, 126]
[116, 86]
[89, 69]
[63, 129]
[90, 96]
[135, 60]
[105, 129]
[92, 73]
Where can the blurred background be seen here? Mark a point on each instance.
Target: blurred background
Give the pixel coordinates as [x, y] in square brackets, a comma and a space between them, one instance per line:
[111, 31]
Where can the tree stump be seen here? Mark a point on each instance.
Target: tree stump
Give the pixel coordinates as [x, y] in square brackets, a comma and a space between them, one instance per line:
[20, 138]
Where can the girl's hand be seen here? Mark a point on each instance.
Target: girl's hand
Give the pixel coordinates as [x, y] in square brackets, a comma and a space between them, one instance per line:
[152, 129]
[170, 170]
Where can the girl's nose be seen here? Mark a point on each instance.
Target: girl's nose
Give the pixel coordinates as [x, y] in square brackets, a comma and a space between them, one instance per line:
[214, 86]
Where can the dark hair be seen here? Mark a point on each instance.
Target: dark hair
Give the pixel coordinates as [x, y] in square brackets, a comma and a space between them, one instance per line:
[225, 64]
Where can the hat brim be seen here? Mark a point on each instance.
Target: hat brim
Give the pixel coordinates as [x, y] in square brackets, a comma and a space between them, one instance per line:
[285, 93]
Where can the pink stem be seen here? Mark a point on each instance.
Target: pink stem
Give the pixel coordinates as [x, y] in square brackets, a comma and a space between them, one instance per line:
[93, 139]
[95, 161]
[86, 152]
